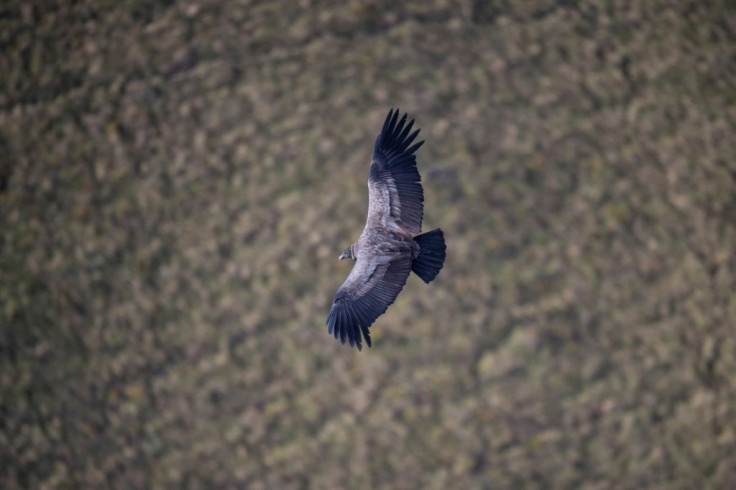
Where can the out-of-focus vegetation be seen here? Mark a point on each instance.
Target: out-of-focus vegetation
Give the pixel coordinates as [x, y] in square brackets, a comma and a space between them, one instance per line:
[178, 178]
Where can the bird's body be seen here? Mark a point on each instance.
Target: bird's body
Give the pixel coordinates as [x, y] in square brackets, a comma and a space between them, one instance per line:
[389, 242]
[391, 245]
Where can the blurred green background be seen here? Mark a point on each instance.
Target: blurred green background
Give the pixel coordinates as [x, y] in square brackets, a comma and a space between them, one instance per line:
[177, 180]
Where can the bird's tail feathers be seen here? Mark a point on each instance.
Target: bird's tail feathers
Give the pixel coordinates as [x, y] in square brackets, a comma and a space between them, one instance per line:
[431, 256]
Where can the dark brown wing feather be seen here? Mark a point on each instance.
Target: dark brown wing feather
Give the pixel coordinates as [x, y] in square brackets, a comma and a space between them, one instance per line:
[364, 296]
[395, 195]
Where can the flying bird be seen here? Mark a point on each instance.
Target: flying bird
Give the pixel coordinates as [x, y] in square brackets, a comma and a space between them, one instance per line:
[391, 245]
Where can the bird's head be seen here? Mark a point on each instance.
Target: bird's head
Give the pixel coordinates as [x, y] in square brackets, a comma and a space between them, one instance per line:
[347, 253]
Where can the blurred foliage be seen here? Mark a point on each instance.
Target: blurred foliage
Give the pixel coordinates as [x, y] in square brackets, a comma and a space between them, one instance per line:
[178, 178]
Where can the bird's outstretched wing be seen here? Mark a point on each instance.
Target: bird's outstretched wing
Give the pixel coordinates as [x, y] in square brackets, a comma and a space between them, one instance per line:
[365, 295]
[395, 196]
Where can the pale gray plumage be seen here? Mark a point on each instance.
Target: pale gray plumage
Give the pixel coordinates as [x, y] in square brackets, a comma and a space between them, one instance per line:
[390, 246]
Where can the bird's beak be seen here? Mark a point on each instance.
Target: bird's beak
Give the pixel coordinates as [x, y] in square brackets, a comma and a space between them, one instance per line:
[342, 256]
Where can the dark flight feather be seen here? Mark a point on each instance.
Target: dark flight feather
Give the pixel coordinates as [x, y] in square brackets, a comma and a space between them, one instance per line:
[356, 306]
[387, 250]
[431, 256]
[394, 167]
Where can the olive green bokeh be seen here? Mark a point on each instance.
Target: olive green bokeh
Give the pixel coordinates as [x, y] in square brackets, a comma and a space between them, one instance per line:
[177, 181]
